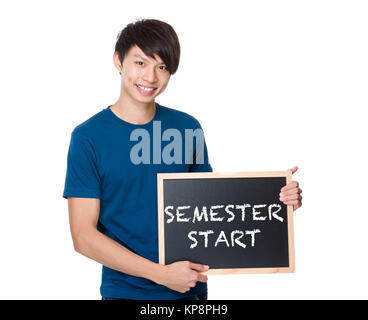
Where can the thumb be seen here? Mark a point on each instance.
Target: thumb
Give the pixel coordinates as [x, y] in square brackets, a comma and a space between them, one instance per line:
[294, 169]
[198, 267]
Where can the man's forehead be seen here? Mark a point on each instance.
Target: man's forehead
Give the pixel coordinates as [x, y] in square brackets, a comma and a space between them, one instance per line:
[136, 52]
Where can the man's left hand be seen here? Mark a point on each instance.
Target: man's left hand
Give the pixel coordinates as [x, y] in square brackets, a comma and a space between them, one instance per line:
[291, 193]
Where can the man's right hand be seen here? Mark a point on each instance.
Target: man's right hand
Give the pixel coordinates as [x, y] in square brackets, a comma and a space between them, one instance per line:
[182, 275]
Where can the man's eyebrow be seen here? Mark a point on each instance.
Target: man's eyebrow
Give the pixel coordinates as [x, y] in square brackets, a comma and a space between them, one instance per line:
[143, 58]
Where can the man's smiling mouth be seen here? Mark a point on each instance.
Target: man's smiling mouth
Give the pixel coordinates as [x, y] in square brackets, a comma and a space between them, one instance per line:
[148, 89]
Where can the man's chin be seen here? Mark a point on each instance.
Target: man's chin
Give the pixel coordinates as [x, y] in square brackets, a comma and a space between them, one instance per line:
[147, 99]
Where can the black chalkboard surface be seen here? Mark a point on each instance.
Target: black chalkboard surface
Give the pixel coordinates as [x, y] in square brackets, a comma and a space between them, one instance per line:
[233, 222]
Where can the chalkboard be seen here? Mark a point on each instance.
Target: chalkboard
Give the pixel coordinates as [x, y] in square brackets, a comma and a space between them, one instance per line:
[233, 222]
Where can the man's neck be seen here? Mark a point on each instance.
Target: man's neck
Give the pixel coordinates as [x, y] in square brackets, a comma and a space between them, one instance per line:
[132, 111]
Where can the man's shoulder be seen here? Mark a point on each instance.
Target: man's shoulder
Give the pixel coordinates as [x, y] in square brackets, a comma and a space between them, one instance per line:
[185, 118]
[91, 125]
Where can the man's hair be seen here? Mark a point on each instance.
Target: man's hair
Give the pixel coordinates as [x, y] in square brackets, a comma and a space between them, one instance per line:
[152, 37]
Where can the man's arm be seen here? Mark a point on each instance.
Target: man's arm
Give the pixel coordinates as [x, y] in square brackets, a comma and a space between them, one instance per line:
[83, 217]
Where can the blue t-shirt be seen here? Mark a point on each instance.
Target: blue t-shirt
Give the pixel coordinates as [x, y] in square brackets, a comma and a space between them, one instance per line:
[100, 166]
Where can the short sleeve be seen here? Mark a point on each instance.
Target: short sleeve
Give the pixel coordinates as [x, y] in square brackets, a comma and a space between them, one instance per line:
[82, 176]
[201, 162]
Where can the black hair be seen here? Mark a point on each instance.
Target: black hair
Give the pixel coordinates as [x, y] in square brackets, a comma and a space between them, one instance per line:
[152, 37]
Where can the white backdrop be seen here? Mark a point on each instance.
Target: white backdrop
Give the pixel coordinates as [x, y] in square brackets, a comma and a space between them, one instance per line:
[273, 83]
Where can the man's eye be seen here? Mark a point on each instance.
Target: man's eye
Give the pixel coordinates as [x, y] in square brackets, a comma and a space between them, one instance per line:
[140, 63]
[162, 67]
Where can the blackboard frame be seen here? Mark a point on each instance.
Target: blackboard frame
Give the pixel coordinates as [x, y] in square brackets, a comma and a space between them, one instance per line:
[218, 175]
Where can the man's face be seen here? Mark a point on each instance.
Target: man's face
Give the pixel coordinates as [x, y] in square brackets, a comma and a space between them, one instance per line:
[144, 78]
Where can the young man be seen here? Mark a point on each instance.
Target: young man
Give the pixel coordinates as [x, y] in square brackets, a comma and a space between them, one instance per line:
[112, 188]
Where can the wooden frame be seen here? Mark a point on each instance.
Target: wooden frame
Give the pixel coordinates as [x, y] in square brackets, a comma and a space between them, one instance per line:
[190, 175]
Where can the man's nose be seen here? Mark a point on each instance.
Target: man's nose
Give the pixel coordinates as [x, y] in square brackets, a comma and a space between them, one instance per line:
[150, 75]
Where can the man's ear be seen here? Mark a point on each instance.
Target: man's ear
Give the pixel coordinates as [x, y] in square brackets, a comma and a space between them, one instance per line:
[117, 62]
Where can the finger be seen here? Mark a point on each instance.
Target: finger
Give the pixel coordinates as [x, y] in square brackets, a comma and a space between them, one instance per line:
[202, 278]
[294, 169]
[292, 202]
[198, 267]
[285, 195]
[290, 191]
[295, 196]
[290, 185]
